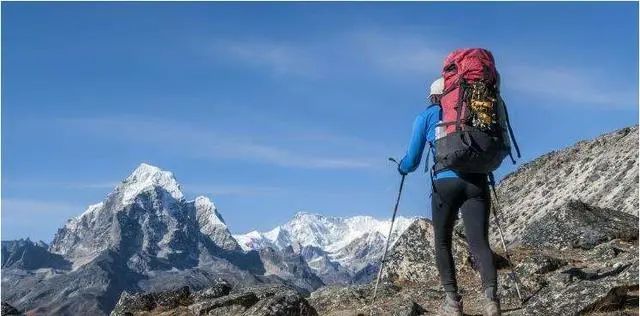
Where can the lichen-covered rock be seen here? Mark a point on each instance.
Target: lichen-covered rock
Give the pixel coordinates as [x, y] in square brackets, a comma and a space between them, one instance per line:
[357, 300]
[220, 299]
[412, 259]
[281, 303]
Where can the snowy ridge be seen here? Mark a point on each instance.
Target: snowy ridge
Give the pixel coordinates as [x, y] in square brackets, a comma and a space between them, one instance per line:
[325, 232]
[92, 208]
[333, 244]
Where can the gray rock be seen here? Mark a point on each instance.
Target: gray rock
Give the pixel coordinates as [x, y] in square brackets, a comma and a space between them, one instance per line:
[412, 259]
[267, 300]
[578, 225]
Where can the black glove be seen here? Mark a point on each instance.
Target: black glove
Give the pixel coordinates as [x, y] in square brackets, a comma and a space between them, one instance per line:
[400, 169]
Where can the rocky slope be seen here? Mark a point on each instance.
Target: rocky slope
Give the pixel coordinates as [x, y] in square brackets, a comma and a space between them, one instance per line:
[602, 172]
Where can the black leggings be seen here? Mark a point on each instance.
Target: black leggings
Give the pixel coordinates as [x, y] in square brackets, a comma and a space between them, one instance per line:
[470, 194]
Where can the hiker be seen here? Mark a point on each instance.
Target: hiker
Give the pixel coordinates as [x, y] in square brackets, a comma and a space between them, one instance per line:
[460, 175]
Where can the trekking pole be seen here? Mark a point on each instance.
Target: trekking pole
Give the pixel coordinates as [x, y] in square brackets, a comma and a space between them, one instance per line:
[496, 206]
[386, 247]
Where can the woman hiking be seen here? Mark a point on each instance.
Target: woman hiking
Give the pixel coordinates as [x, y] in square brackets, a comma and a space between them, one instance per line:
[453, 191]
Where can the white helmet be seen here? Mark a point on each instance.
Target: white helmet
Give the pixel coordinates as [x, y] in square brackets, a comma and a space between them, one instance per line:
[437, 87]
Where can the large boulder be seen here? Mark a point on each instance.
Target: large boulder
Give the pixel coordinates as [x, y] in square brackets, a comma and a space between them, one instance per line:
[412, 258]
[579, 225]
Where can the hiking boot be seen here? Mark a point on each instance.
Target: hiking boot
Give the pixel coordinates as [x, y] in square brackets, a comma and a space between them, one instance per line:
[452, 305]
[491, 306]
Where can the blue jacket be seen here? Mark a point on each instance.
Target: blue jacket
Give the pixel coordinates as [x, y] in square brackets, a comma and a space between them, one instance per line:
[424, 130]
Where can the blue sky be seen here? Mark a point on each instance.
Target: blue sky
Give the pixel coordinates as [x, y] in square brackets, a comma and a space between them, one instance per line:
[272, 108]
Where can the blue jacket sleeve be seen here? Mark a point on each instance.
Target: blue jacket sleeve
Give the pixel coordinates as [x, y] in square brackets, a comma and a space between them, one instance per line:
[411, 160]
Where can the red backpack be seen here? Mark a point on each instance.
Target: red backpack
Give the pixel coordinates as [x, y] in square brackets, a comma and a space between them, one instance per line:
[474, 135]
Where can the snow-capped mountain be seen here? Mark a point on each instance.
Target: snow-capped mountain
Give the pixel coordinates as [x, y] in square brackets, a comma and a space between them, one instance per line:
[331, 246]
[147, 215]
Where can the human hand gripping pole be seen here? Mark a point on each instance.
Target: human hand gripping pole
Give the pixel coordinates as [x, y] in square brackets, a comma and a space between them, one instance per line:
[386, 247]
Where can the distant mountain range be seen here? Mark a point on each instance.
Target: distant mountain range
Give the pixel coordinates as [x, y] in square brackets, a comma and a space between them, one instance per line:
[146, 236]
[337, 249]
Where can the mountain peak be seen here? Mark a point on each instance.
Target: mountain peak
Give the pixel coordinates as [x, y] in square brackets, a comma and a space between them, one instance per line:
[146, 177]
[208, 211]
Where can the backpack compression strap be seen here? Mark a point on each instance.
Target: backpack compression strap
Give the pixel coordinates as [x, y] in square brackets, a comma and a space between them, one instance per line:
[513, 138]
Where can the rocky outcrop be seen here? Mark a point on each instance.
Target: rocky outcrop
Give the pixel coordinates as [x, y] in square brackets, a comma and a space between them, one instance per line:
[579, 225]
[411, 261]
[220, 299]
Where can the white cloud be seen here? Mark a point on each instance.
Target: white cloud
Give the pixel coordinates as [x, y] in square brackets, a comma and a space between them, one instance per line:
[235, 190]
[200, 142]
[60, 184]
[33, 218]
[568, 86]
[409, 54]
[25, 208]
[278, 57]
[400, 53]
